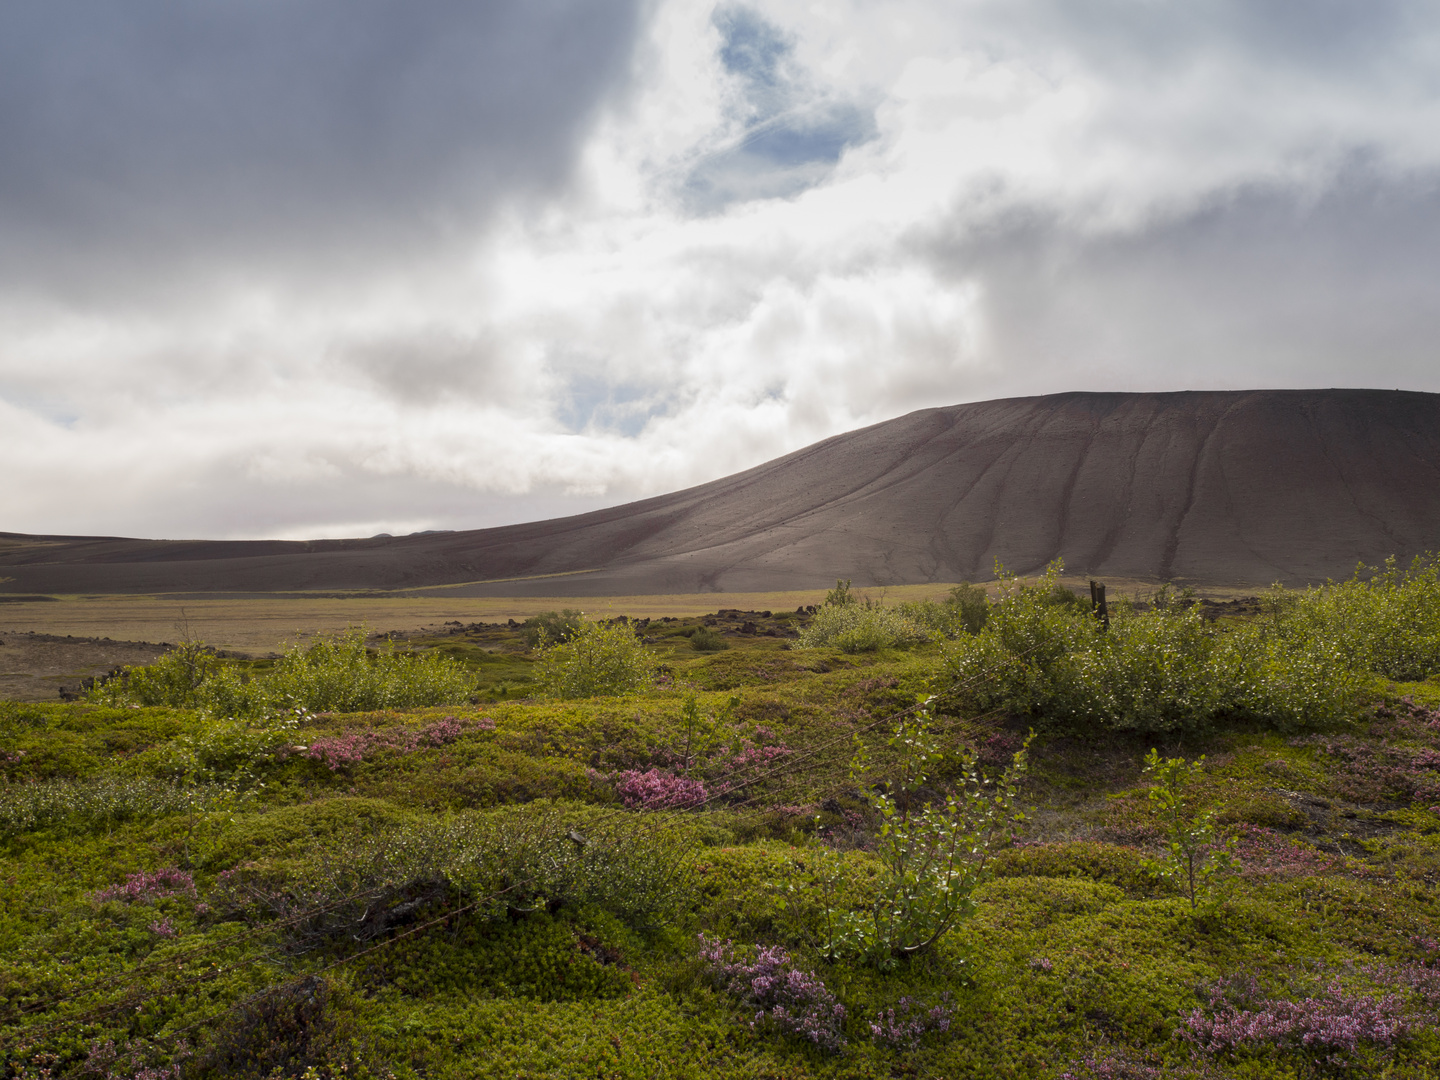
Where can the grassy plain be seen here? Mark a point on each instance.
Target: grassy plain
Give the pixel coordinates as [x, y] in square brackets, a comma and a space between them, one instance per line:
[498, 888]
[263, 622]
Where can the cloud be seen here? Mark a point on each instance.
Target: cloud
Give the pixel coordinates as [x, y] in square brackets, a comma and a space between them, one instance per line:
[1255, 288]
[238, 138]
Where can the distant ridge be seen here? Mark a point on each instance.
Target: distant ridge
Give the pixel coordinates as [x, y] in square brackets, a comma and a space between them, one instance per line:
[1210, 487]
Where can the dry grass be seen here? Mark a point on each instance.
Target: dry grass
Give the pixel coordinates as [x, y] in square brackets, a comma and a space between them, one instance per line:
[263, 622]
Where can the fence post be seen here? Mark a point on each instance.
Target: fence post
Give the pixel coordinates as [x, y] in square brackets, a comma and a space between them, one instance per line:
[1098, 605]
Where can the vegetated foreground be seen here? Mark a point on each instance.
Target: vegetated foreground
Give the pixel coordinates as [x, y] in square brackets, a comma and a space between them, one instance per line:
[750, 845]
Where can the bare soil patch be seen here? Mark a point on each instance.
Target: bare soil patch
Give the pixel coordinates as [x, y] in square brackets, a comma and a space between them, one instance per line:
[36, 667]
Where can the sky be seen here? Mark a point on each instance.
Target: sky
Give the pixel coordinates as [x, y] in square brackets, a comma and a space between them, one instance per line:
[303, 268]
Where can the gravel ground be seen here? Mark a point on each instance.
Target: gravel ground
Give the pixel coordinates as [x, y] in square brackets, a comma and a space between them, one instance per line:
[35, 667]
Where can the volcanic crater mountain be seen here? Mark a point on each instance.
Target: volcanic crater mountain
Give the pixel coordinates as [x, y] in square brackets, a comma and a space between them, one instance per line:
[1209, 487]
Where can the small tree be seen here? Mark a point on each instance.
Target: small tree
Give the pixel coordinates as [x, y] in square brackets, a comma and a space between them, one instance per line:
[1198, 858]
[703, 731]
[934, 854]
[598, 659]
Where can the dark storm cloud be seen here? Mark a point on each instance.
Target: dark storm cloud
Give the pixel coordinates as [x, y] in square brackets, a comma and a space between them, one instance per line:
[155, 136]
[793, 134]
[1259, 287]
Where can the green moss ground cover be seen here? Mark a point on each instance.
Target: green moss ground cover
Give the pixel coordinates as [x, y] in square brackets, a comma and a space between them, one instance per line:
[528, 887]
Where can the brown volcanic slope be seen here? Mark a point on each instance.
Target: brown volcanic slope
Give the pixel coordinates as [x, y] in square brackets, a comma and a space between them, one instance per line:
[1229, 487]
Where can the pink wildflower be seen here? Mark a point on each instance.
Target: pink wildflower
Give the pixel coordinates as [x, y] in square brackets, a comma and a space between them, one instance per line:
[656, 790]
[1335, 1020]
[146, 887]
[794, 1001]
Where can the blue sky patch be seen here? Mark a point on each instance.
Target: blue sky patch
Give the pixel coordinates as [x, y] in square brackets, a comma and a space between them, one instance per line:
[793, 133]
[595, 404]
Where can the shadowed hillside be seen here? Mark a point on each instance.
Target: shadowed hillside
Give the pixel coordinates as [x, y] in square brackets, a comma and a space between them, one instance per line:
[1217, 487]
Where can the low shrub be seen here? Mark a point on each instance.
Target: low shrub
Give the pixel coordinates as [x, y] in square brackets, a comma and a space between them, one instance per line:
[599, 659]
[215, 751]
[1265, 854]
[146, 887]
[131, 1059]
[102, 802]
[1390, 769]
[703, 639]
[504, 862]
[1165, 670]
[294, 1029]
[656, 789]
[543, 957]
[350, 749]
[335, 673]
[1119, 1063]
[904, 1024]
[1334, 1022]
[786, 998]
[553, 627]
[860, 627]
[1113, 864]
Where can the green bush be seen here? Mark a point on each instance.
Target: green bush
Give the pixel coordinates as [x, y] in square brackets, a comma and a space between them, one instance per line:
[963, 611]
[101, 802]
[1261, 674]
[507, 863]
[600, 659]
[855, 627]
[935, 620]
[335, 673]
[175, 679]
[1388, 623]
[971, 604]
[553, 626]
[1163, 670]
[703, 639]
